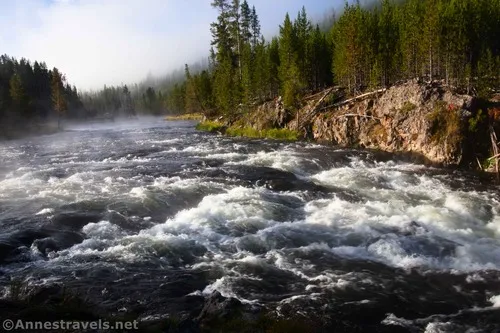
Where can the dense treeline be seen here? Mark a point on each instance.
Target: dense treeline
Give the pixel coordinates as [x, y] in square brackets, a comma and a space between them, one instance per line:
[110, 102]
[365, 48]
[454, 40]
[31, 93]
[152, 96]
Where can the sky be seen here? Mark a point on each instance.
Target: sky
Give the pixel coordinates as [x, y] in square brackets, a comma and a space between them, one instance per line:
[98, 42]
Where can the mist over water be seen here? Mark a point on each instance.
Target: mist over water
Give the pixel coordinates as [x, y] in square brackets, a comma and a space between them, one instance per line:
[139, 214]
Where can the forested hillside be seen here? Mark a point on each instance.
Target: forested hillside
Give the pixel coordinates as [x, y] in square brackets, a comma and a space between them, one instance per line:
[30, 94]
[451, 40]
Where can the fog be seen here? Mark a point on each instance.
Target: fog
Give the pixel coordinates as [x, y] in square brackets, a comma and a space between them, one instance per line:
[96, 42]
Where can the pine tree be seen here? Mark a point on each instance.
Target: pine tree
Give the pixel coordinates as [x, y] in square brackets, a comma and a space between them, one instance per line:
[348, 45]
[246, 22]
[248, 89]
[224, 86]
[320, 59]
[289, 72]
[175, 99]
[128, 103]
[262, 82]
[431, 35]
[303, 29]
[235, 30]
[58, 100]
[204, 89]
[191, 102]
[255, 25]
[17, 94]
[411, 34]
[388, 42]
[274, 68]
[227, 93]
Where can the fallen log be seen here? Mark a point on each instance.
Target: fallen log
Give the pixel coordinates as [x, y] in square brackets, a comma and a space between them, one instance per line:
[314, 109]
[319, 93]
[357, 115]
[359, 97]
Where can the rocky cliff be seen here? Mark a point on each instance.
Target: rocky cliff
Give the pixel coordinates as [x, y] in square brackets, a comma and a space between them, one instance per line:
[424, 120]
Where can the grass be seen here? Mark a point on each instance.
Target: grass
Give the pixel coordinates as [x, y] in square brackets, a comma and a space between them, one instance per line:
[186, 116]
[274, 133]
[210, 126]
[249, 132]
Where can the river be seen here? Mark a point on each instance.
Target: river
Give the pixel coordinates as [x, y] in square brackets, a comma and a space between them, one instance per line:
[139, 214]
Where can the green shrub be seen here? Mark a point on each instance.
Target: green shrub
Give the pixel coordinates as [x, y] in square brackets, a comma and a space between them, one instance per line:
[445, 124]
[474, 121]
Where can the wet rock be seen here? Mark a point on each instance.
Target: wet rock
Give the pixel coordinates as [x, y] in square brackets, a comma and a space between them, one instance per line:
[46, 294]
[45, 239]
[7, 250]
[122, 221]
[219, 309]
[46, 245]
[59, 240]
[274, 179]
[75, 220]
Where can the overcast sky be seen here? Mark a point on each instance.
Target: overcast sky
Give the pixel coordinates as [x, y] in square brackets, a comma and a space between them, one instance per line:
[97, 42]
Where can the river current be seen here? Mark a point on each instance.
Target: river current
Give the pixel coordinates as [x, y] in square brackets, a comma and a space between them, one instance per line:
[139, 214]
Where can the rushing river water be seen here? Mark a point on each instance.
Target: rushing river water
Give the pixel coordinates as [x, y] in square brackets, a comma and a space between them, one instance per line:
[139, 214]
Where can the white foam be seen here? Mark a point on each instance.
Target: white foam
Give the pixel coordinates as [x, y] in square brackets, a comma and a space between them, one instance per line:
[440, 328]
[495, 300]
[237, 205]
[286, 160]
[224, 287]
[102, 230]
[393, 200]
[45, 211]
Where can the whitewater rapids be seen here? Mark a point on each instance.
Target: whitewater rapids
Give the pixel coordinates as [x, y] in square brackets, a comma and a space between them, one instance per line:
[147, 212]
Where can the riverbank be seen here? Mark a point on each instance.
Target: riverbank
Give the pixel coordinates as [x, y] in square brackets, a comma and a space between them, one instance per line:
[427, 120]
[249, 132]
